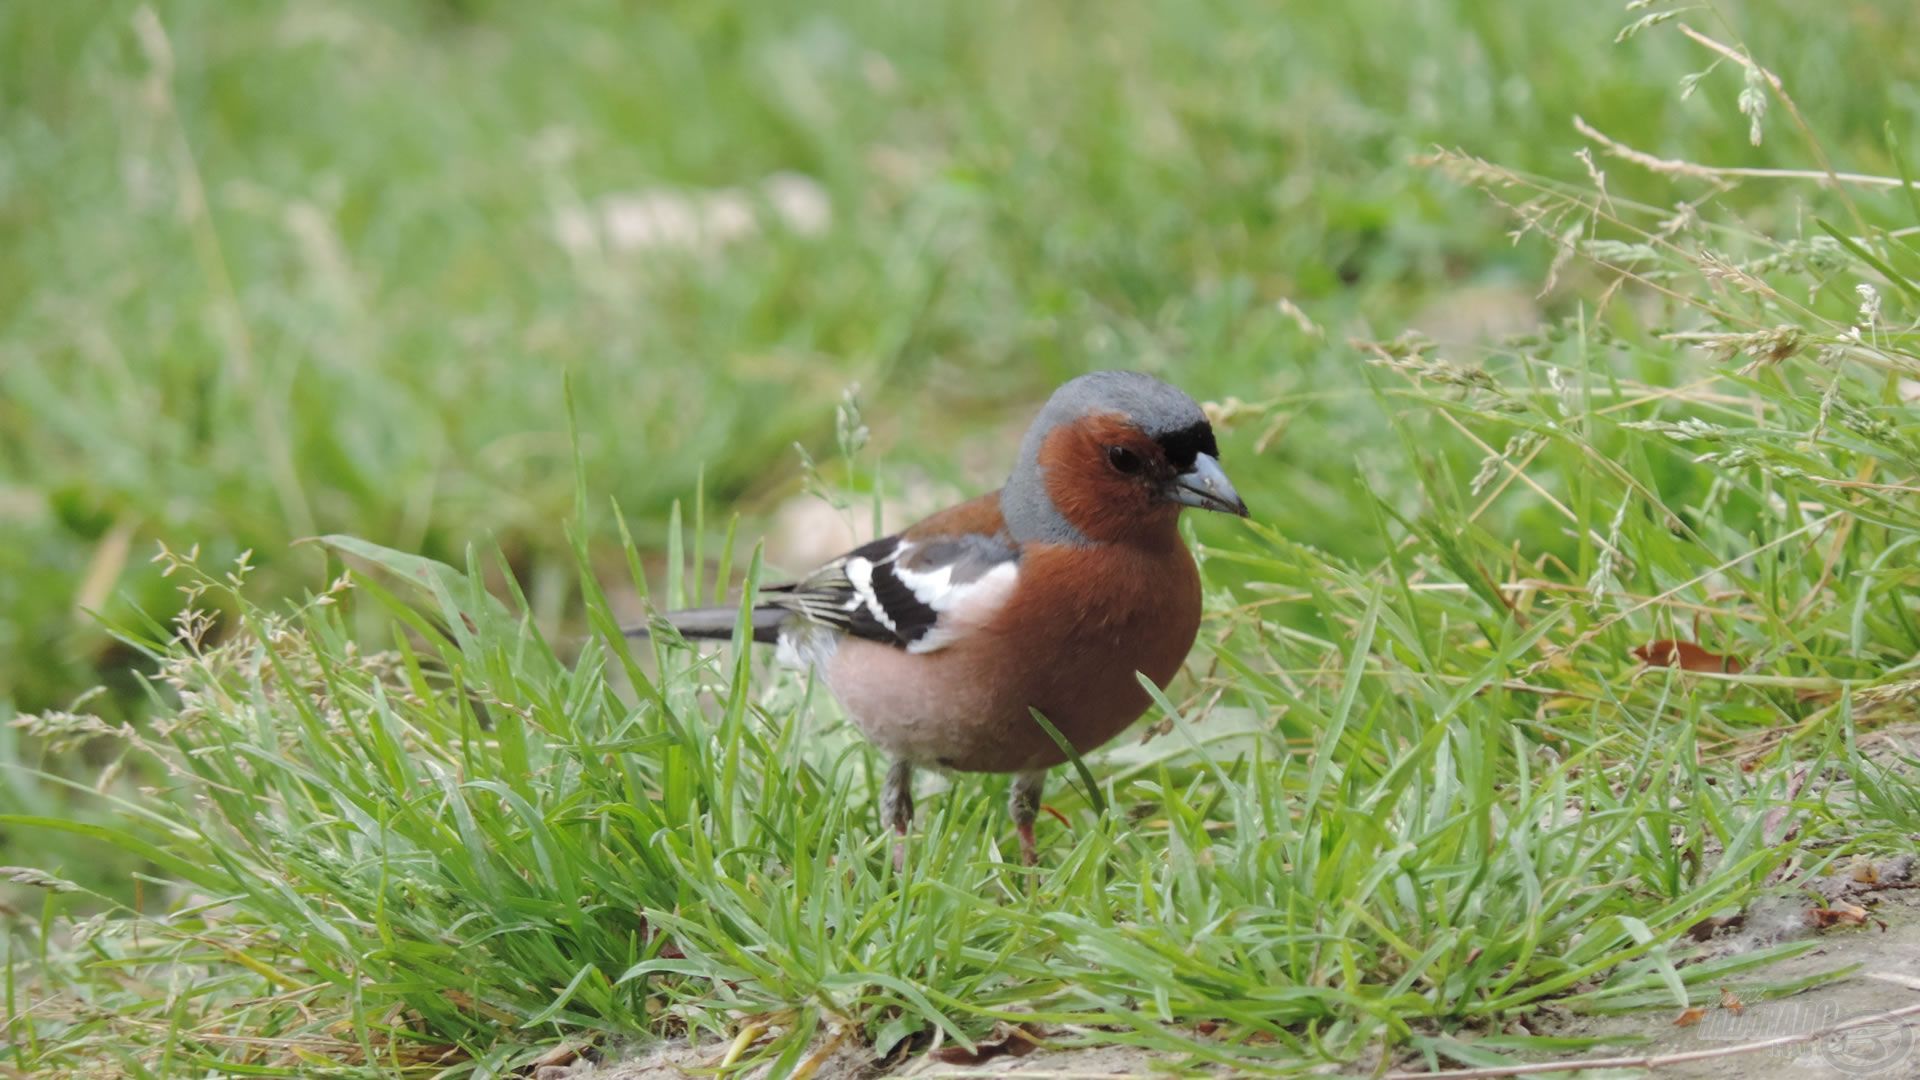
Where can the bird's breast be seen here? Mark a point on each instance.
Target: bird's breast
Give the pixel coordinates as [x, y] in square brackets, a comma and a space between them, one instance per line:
[1067, 642]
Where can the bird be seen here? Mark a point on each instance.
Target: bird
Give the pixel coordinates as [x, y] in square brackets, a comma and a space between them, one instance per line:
[1048, 595]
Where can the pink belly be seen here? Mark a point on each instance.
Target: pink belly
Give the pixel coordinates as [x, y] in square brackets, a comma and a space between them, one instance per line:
[947, 710]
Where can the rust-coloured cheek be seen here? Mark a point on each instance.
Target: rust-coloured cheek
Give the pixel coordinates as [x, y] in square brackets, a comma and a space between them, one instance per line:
[1101, 502]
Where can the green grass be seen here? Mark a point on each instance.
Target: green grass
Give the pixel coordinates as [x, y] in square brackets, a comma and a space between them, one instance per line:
[1416, 782]
[466, 841]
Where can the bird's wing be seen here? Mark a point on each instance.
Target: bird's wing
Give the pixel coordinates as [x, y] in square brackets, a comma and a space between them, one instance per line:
[914, 594]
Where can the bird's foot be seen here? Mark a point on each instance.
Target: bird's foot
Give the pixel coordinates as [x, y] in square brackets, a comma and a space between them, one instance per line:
[1023, 804]
[897, 805]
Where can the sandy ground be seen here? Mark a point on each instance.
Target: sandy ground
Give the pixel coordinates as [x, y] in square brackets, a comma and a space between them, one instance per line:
[680, 1062]
[1886, 1049]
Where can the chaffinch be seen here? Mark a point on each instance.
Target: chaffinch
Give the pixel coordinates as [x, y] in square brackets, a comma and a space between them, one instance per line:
[1047, 594]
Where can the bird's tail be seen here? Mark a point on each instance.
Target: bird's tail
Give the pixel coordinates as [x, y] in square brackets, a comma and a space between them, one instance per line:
[716, 623]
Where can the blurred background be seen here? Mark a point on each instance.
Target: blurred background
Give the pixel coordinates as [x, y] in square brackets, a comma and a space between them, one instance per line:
[269, 271]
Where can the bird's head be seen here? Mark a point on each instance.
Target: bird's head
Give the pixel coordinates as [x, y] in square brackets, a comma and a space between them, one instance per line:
[1115, 455]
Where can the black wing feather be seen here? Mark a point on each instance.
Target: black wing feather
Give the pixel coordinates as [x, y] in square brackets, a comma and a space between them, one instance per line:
[886, 609]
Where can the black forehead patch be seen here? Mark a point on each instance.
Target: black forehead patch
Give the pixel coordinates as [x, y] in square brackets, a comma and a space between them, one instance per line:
[1183, 446]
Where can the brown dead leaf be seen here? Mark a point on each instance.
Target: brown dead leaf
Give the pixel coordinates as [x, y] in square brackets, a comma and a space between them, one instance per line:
[668, 950]
[1686, 656]
[1706, 928]
[1866, 876]
[1691, 1016]
[1840, 914]
[1008, 1040]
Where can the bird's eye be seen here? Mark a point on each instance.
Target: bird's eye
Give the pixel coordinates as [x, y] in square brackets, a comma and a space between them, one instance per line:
[1124, 460]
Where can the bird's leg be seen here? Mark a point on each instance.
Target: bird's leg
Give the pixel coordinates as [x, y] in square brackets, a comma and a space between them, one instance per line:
[1023, 802]
[896, 802]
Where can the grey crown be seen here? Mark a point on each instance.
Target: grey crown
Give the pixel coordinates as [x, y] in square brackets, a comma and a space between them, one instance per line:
[1156, 408]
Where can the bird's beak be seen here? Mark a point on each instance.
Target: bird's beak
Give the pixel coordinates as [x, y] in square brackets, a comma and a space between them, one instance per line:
[1206, 486]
